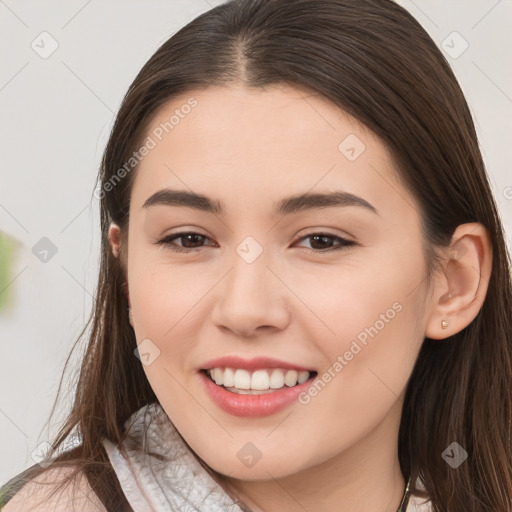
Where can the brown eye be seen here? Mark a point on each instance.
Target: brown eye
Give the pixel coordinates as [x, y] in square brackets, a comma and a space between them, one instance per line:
[323, 242]
[190, 241]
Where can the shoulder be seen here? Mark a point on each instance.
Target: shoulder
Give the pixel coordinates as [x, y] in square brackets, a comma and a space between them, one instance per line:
[42, 494]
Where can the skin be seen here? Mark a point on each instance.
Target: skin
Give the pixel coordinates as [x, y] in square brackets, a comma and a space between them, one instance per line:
[250, 148]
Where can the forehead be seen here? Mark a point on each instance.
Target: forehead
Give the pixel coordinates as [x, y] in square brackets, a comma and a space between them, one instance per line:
[242, 144]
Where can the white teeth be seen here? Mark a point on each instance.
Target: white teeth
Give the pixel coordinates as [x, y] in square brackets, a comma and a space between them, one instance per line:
[229, 377]
[259, 380]
[218, 376]
[277, 379]
[303, 377]
[290, 379]
[242, 379]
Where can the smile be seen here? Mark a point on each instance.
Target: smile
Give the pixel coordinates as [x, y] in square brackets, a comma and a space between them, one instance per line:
[238, 380]
[262, 388]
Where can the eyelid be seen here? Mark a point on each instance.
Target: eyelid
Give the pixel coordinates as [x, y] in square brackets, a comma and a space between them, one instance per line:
[310, 231]
[168, 240]
[325, 231]
[183, 231]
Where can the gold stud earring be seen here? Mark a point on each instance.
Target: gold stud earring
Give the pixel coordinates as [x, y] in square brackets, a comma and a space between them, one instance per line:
[444, 324]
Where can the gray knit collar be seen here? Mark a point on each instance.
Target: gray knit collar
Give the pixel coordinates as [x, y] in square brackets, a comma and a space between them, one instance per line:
[159, 472]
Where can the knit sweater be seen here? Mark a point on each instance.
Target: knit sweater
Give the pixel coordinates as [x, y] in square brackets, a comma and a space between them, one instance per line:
[161, 474]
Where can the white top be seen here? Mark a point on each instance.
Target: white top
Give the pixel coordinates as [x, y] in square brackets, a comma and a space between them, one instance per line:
[152, 484]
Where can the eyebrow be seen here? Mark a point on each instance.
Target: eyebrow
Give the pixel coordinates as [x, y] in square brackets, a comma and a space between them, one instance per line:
[286, 206]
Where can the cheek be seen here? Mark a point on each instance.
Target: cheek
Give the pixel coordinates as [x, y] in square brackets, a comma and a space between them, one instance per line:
[163, 295]
[364, 379]
[369, 328]
[345, 300]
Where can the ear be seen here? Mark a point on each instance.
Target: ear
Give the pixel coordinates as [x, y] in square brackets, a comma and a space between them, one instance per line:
[114, 236]
[461, 285]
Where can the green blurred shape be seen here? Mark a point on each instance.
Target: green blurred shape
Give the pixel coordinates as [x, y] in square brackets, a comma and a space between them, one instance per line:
[8, 249]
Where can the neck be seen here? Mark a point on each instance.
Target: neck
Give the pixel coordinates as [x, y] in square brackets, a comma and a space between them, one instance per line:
[366, 476]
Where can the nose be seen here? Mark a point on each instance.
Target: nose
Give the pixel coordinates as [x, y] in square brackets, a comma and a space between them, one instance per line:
[251, 299]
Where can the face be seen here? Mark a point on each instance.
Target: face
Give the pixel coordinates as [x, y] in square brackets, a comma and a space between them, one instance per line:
[330, 290]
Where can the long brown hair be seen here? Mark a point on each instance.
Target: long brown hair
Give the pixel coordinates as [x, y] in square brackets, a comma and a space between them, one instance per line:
[374, 60]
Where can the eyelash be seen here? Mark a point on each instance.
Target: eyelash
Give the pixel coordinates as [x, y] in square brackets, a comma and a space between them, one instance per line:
[343, 245]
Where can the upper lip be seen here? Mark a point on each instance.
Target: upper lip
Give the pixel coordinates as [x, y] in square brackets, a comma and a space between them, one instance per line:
[251, 364]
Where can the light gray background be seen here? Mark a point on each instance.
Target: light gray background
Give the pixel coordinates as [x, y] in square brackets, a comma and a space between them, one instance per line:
[56, 114]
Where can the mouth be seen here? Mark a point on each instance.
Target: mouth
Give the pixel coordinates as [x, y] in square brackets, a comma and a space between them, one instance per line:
[259, 381]
[257, 392]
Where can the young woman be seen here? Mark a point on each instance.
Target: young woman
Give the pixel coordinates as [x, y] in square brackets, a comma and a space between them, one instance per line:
[304, 300]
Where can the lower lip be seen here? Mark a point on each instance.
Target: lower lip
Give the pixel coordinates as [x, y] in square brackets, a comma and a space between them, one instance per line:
[253, 405]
